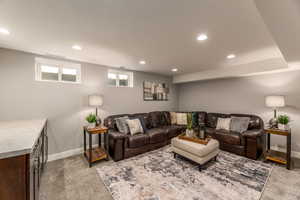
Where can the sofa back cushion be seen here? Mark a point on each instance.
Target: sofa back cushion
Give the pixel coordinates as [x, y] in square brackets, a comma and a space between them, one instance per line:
[156, 119]
[212, 119]
[202, 118]
[167, 118]
[195, 122]
[255, 121]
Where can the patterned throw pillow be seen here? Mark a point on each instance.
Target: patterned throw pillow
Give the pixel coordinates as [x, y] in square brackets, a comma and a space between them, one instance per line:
[239, 124]
[181, 118]
[122, 124]
[143, 123]
[135, 126]
[223, 123]
[173, 117]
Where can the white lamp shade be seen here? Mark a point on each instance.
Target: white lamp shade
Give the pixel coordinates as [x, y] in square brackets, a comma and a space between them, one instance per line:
[95, 100]
[275, 101]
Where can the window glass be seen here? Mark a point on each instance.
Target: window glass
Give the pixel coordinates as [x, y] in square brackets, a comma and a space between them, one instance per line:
[123, 80]
[112, 79]
[69, 74]
[49, 73]
[57, 71]
[120, 78]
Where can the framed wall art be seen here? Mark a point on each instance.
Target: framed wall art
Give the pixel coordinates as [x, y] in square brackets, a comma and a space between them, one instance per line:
[154, 91]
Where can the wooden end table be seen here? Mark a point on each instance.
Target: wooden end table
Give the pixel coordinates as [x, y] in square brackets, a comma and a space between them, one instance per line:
[274, 155]
[97, 153]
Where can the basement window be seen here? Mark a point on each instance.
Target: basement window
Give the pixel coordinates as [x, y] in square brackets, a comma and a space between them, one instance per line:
[57, 71]
[120, 78]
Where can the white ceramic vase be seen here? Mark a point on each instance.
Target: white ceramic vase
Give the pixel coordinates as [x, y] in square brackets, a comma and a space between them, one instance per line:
[284, 127]
[91, 125]
[189, 133]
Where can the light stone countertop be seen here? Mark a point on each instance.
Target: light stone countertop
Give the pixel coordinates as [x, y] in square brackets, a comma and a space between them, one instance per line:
[19, 137]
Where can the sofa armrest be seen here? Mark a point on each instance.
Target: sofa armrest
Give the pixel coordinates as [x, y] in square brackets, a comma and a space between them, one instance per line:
[255, 133]
[116, 144]
[115, 135]
[254, 143]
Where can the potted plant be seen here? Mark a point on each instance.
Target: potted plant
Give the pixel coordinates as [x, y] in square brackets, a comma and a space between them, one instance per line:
[283, 121]
[189, 129]
[91, 119]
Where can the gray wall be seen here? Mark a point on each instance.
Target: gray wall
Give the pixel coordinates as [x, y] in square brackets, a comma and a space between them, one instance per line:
[246, 95]
[65, 105]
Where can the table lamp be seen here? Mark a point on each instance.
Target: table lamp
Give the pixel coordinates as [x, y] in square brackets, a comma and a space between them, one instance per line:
[274, 102]
[96, 101]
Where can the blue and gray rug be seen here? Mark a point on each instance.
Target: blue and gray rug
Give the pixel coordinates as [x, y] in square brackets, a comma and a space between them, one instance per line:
[157, 175]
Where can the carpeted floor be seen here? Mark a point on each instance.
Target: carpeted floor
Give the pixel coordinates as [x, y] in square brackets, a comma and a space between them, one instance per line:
[158, 175]
[72, 179]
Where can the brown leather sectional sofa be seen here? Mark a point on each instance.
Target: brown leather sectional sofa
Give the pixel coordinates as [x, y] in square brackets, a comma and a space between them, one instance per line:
[161, 131]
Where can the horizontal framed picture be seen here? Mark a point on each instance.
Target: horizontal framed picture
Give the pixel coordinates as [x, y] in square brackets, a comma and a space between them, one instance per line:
[155, 91]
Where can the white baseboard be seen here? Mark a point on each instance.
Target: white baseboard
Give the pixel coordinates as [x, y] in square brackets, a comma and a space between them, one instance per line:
[295, 154]
[73, 152]
[66, 154]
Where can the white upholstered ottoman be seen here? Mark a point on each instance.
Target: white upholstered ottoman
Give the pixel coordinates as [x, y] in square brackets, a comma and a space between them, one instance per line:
[198, 153]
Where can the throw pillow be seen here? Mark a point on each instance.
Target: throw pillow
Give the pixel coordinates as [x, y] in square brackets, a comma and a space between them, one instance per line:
[223, 123]
[135, 126]
[181, 118]
[239, 124]
[122, 124]
[167, 117]
[173, 117]
[143, 123]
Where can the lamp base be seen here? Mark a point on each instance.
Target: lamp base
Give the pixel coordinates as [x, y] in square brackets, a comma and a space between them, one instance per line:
[98, 121]
[273, 123]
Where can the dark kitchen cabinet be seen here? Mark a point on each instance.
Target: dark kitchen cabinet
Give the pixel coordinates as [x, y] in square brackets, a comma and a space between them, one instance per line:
[20, 176]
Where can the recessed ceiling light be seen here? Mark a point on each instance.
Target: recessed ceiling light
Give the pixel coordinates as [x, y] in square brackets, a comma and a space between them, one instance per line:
[230, 56]
[77, 47]
[142, 62]
[202, 37]
[4, 31]
[174, 70]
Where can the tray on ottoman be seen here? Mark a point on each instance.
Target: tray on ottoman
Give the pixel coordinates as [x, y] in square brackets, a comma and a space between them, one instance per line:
[194, 139]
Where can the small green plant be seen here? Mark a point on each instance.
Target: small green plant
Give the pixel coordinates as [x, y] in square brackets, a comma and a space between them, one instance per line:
[283, 119]
[189, 121]
[91, 118]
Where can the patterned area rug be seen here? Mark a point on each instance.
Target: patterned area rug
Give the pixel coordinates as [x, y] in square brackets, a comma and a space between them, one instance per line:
[157, 175]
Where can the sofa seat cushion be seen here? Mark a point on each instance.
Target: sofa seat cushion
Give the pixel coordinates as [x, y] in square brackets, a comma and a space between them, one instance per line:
[138, 140]
[174, 130]
[157, 135]
[195, 148]
[228, 137]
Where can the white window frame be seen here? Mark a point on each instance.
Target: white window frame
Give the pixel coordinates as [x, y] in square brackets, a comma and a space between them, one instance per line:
[121, 72]
[60, 64]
